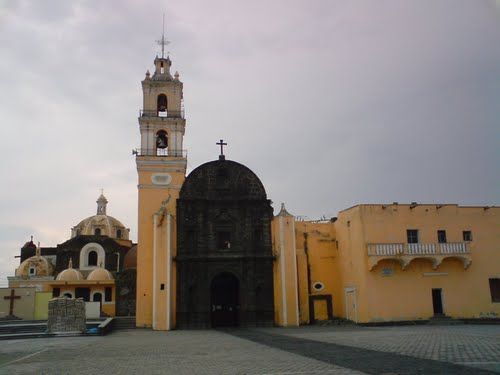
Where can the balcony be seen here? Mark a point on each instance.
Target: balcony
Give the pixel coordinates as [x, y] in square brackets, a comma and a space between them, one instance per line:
[163, 152]
[169, 114]
[405, 253]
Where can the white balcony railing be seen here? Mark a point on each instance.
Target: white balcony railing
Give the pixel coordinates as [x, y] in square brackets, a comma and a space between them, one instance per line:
[454, 248]
[416, 249]
[385, 248]
[421, 249]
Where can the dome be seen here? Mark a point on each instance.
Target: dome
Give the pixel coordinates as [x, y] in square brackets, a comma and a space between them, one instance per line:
[101, 224]
[100, 274]
[35, 266]
[130, 260]
[222, 180]
[70, 274]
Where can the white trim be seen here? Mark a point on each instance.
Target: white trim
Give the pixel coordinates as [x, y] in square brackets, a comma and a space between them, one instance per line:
[353, 291]
[169, 284]
[101, 292]
[84, 256]
[164, 187]
[282, 261]
[163, 161]
[69, 291]
[162, 179]
[295, 271]
[155, 223]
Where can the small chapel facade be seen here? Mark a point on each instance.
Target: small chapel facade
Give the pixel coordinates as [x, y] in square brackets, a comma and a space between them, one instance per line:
[212, 253]
[96, 264]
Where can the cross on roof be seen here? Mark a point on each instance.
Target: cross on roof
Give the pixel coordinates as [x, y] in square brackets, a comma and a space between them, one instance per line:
[12, 297]
[163, 42]
[221, 143]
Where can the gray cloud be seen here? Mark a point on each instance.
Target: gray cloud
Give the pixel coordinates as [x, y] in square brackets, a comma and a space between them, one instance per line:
[330, 103]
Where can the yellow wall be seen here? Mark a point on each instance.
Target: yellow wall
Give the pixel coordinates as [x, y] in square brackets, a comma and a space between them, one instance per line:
[42, 305]
[388, 292]
[316, 247]
[150, 202]
[286, 279]
[23, 307]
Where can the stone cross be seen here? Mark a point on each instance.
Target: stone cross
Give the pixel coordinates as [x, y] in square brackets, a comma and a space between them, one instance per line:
[12, 297]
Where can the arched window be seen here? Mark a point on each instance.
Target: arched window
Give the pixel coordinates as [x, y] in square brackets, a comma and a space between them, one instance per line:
[92, 259]
[97, 297]
[161, 105]
[118, 233]
[97, 231]
[161, 142]
[69, 295]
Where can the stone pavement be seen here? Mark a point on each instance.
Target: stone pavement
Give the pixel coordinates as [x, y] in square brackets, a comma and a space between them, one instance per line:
[307, 350]
[471, 345]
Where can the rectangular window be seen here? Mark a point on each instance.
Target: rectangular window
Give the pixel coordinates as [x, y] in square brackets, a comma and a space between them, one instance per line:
[467, 234]
[32, 271]
[83, 293]
[412, 235]
[56, 292]
[495, 290]
[223, 240]
[441, 236]
[108, 294]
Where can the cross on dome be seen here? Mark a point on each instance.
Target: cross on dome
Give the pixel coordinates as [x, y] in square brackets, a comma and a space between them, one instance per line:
[101, 204]
[221, 143]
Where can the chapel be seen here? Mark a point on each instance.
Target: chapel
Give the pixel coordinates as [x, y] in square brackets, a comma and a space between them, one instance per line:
[97, 263]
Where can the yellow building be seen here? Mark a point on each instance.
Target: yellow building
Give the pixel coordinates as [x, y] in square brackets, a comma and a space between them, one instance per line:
[210, 252]
[400, 262]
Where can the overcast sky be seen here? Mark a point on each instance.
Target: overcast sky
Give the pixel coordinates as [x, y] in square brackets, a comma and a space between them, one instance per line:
[331, 103]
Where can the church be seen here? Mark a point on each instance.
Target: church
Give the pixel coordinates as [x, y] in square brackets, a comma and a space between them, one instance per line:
[96, 264]
[211, 252]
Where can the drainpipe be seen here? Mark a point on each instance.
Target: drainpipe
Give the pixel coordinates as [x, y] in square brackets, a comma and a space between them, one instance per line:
[118, 263]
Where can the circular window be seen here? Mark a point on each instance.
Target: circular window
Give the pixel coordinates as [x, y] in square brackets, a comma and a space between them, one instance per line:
[317, 286]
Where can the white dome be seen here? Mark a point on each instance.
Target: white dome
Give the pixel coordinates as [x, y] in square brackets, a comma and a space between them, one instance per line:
[100, 274]
[70, 274]
[101, 224]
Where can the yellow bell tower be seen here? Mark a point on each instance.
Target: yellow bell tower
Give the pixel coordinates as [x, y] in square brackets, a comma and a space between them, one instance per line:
[161, 167]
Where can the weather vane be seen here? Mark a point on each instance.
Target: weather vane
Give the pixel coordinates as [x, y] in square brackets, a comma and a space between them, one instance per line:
[163, 42]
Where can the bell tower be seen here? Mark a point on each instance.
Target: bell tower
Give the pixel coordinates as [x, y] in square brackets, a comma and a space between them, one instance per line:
[161, 167]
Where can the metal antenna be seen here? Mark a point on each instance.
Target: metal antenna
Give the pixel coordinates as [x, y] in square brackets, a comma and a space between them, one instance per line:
[163, 42]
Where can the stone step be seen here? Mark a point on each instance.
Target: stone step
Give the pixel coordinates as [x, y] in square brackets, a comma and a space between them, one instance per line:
[444, 320]
[124, 323]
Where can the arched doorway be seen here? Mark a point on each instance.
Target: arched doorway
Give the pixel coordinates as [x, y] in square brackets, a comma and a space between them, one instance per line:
[97, 297]
[225, 300]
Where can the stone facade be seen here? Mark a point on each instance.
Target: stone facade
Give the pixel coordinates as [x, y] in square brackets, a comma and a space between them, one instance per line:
[66, 315]
[224, 244]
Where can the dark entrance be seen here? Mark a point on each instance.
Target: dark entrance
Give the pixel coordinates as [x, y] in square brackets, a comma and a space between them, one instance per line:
[437, 302]
[83, 293]
[225, 300]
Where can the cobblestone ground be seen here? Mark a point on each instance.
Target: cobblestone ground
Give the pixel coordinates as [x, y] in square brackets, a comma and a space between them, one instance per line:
[308, 350]
[147, 352]
[471, 345]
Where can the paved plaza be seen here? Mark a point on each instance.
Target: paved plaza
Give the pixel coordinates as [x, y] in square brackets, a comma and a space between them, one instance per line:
[461, 349]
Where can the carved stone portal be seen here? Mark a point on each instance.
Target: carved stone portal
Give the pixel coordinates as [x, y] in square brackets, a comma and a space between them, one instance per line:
[224, 258]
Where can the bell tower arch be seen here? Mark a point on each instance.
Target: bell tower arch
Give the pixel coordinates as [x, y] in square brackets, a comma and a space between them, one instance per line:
[161, 167]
